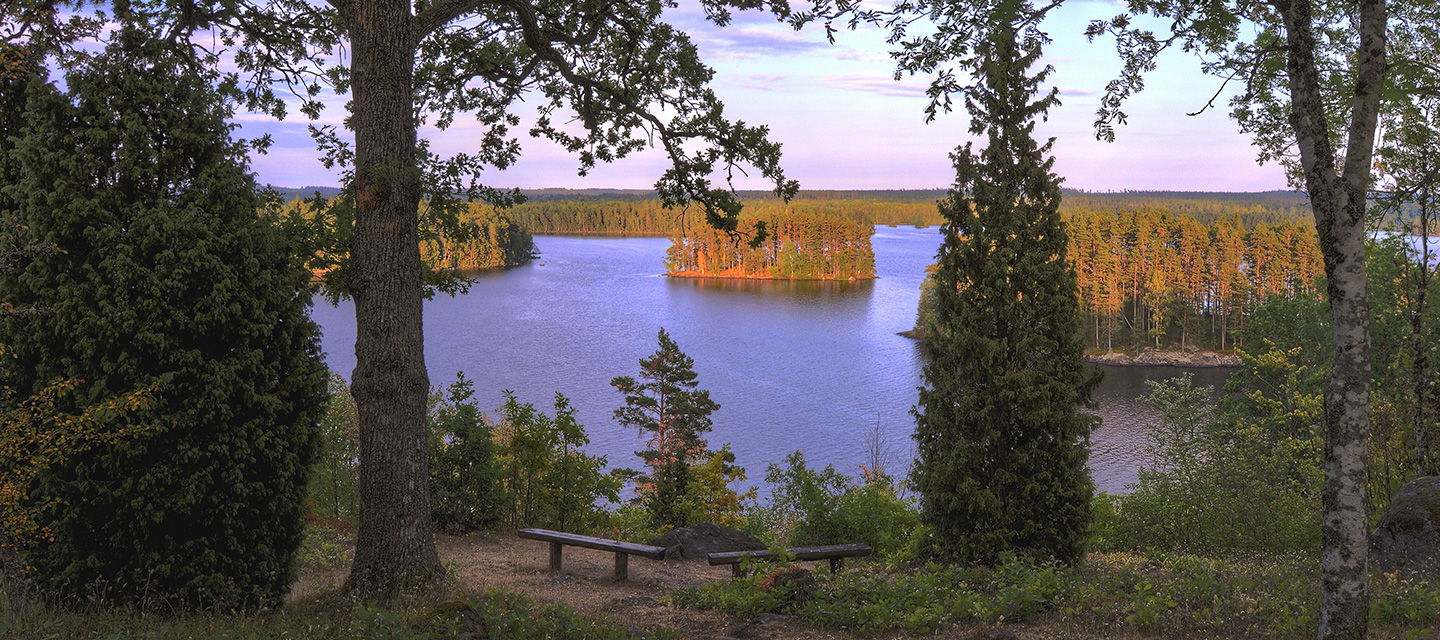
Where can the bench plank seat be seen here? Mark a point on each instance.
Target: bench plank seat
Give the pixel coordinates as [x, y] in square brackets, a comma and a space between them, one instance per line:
[622, 550]
[835, 553]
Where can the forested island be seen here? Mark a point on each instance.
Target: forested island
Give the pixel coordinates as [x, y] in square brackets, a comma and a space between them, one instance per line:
[797, 245]
[1150, 277]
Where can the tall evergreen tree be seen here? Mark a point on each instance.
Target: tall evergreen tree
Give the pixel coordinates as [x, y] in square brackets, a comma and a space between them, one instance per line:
[163, 274]
[674, 413]
[1002, 441]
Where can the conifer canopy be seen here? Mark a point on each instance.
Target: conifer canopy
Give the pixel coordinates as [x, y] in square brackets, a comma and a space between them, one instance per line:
[163, 272]
[1002, 443]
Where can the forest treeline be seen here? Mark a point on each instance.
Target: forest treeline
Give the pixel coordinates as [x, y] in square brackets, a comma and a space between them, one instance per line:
[798, 244]
[484, 238]
[1155, 278]
[490, 239]
[636, 213]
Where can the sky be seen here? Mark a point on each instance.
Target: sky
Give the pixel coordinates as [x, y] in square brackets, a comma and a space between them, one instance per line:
[845, 123]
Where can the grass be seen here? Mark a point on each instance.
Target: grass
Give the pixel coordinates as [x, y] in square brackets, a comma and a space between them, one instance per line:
[1168, 595]
[492, 614]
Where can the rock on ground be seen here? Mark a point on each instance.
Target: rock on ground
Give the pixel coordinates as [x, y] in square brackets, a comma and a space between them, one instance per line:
[1407, 540]
[696, 541]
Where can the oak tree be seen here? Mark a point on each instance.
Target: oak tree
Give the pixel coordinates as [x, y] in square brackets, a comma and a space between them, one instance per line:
[608, 79]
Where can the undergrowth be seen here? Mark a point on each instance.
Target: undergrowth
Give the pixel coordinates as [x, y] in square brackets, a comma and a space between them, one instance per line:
[1159, 593]
[491, 615]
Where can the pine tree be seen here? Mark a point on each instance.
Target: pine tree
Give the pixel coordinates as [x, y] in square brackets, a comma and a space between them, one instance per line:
[675, 414]
[1002, 442]
[165, 274]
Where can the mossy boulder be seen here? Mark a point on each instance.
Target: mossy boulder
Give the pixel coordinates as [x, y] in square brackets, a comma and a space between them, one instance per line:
[1407, 540]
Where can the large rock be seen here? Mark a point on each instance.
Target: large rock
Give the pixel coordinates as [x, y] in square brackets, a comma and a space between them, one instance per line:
[696, 541]
[1407, 540]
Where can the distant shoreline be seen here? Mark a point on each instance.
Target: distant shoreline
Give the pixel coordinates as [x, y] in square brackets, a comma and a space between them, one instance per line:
[701, 275]
[1189, 357]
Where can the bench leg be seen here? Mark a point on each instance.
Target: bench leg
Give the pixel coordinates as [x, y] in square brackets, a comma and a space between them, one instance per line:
[622, 566]
[836, 564]
[738, 570]
[555, 556]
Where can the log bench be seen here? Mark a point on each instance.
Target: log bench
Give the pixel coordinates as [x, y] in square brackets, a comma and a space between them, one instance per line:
[835, 553]
[622, 550]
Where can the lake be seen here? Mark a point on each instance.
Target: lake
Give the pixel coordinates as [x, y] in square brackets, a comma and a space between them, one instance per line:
[809, 366]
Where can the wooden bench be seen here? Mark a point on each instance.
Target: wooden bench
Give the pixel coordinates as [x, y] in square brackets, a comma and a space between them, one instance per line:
[623, 550]
[835, 553]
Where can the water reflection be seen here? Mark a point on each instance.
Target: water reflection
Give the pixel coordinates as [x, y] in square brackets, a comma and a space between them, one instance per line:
[804, 289]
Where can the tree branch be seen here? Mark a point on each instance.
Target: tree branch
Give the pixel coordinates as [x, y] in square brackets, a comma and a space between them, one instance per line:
[437, 15]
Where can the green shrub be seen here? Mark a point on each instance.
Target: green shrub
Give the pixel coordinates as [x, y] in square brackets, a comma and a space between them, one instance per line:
[334, 481]
[927, 599]
[1245, 480]
[164, 271]
[1174, 595]
[548, 480]
[709, 497]
[809, 507]
[322, 548]
[465, 492]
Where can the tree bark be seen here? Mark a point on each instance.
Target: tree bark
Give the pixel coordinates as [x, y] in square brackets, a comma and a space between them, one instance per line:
[1338, 202]
[395, 542]
[16, 583]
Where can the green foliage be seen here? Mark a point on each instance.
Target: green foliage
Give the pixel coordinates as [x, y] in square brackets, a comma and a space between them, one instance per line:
[548, 480]
[709, 497]
[810, 508]
[928, 599]
[323, 547]
[1248, 477]
[162, 269]
[1170, 595]
[493, 614]
[1243, 483]
[465, 491]
[1002, 443]
[674, 413]
[334, 481]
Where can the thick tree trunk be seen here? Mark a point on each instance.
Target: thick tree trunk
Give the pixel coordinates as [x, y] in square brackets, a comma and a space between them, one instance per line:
[395, 543]
[1339, 202]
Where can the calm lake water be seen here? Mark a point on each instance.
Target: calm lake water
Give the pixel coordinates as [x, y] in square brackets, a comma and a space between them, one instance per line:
[813, 366]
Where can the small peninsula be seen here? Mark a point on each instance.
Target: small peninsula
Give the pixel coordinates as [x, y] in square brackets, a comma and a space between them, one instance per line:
[796, 246]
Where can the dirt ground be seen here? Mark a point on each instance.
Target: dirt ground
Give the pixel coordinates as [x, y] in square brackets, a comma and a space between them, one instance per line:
[503, 560]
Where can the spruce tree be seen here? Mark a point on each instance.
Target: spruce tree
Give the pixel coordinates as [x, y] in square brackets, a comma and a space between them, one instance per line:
[674, 413]
[165, 272]
[1002, 443]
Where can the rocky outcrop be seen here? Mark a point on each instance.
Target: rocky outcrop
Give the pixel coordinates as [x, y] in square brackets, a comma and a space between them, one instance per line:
[1407, 540]
[1188, 357]
[694, 542]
